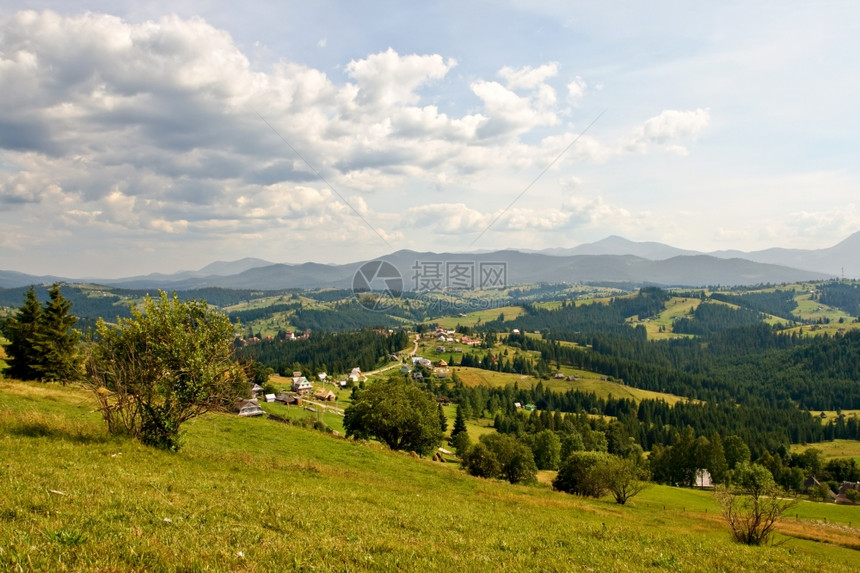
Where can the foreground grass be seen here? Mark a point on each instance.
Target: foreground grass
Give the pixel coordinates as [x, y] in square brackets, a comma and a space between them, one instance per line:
[255, 495]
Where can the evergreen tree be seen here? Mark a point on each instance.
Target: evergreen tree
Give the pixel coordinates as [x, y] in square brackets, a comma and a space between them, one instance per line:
[56, 340]
[443, 420]
[21, 332]
[717, 462]
[459, 422]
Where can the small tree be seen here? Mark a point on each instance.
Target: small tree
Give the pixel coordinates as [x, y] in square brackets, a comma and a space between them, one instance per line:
[401, 415]
[515, 458]
[461, 443]
[479, 461]
[547, 450]
[500, 456]
[621, 476]
[576, 476]
[820, 492]
[753, 504]
[163, 366]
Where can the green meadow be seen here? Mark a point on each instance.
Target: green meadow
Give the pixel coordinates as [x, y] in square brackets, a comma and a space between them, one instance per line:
[259, 495]
[834, 449]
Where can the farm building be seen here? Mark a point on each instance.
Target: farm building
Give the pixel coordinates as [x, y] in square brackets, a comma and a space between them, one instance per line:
[302, 385]
[249, 407]
[325, 396]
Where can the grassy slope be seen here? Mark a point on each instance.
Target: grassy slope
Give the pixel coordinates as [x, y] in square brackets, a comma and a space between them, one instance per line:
[588, 382]
[254, 495]
[834, 449]
[479, 316]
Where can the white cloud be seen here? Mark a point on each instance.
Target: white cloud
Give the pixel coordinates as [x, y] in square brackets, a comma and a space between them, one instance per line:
[387, 78]
[528, 77]
[576, 89]
[112, 129]
[668, 128]
[508, 113]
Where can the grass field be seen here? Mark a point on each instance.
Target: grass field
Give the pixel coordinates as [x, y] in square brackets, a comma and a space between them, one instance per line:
[832, 414]
[660, 328]
[835, 449]
[808, 309]
[256, 495]
[587, 382]
[479, 316]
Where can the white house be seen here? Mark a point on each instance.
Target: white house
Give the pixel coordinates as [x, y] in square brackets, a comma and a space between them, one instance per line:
[301, 385]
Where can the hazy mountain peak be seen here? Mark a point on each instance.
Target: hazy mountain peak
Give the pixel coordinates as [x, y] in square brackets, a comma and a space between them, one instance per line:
[225, 268]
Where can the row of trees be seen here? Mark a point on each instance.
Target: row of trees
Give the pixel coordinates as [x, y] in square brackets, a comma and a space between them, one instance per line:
[43, 344]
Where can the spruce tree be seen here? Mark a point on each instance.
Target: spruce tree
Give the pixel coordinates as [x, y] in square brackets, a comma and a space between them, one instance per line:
[443, 419]
[21, 332]
[56, 340]
[459, 436]
[718, 465]
[459, 422]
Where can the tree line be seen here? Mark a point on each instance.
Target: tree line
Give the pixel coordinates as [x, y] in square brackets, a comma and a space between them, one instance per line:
[334, 352]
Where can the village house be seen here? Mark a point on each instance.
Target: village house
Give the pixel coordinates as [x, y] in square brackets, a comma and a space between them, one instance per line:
[301, 385]
[325, 396]
[704, 479]
[249, 408]
[288, 399]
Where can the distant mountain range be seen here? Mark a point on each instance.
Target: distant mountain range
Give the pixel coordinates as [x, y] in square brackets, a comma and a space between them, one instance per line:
[613, 259]
[836, 260]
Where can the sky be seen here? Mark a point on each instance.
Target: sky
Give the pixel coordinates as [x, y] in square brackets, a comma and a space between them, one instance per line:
[160, 136]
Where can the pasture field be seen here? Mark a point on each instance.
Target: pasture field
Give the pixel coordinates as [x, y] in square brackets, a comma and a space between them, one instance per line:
[257, 495]
[660, 328]
[587, 382]
[479, 317]
[832, 414]
[834, 449]
[808, 309]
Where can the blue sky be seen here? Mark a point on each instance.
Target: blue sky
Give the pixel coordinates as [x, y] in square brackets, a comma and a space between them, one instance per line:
[162, 136]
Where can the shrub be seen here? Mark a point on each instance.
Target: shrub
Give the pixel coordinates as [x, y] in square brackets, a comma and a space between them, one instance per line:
[753, 504]
[163, 366]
